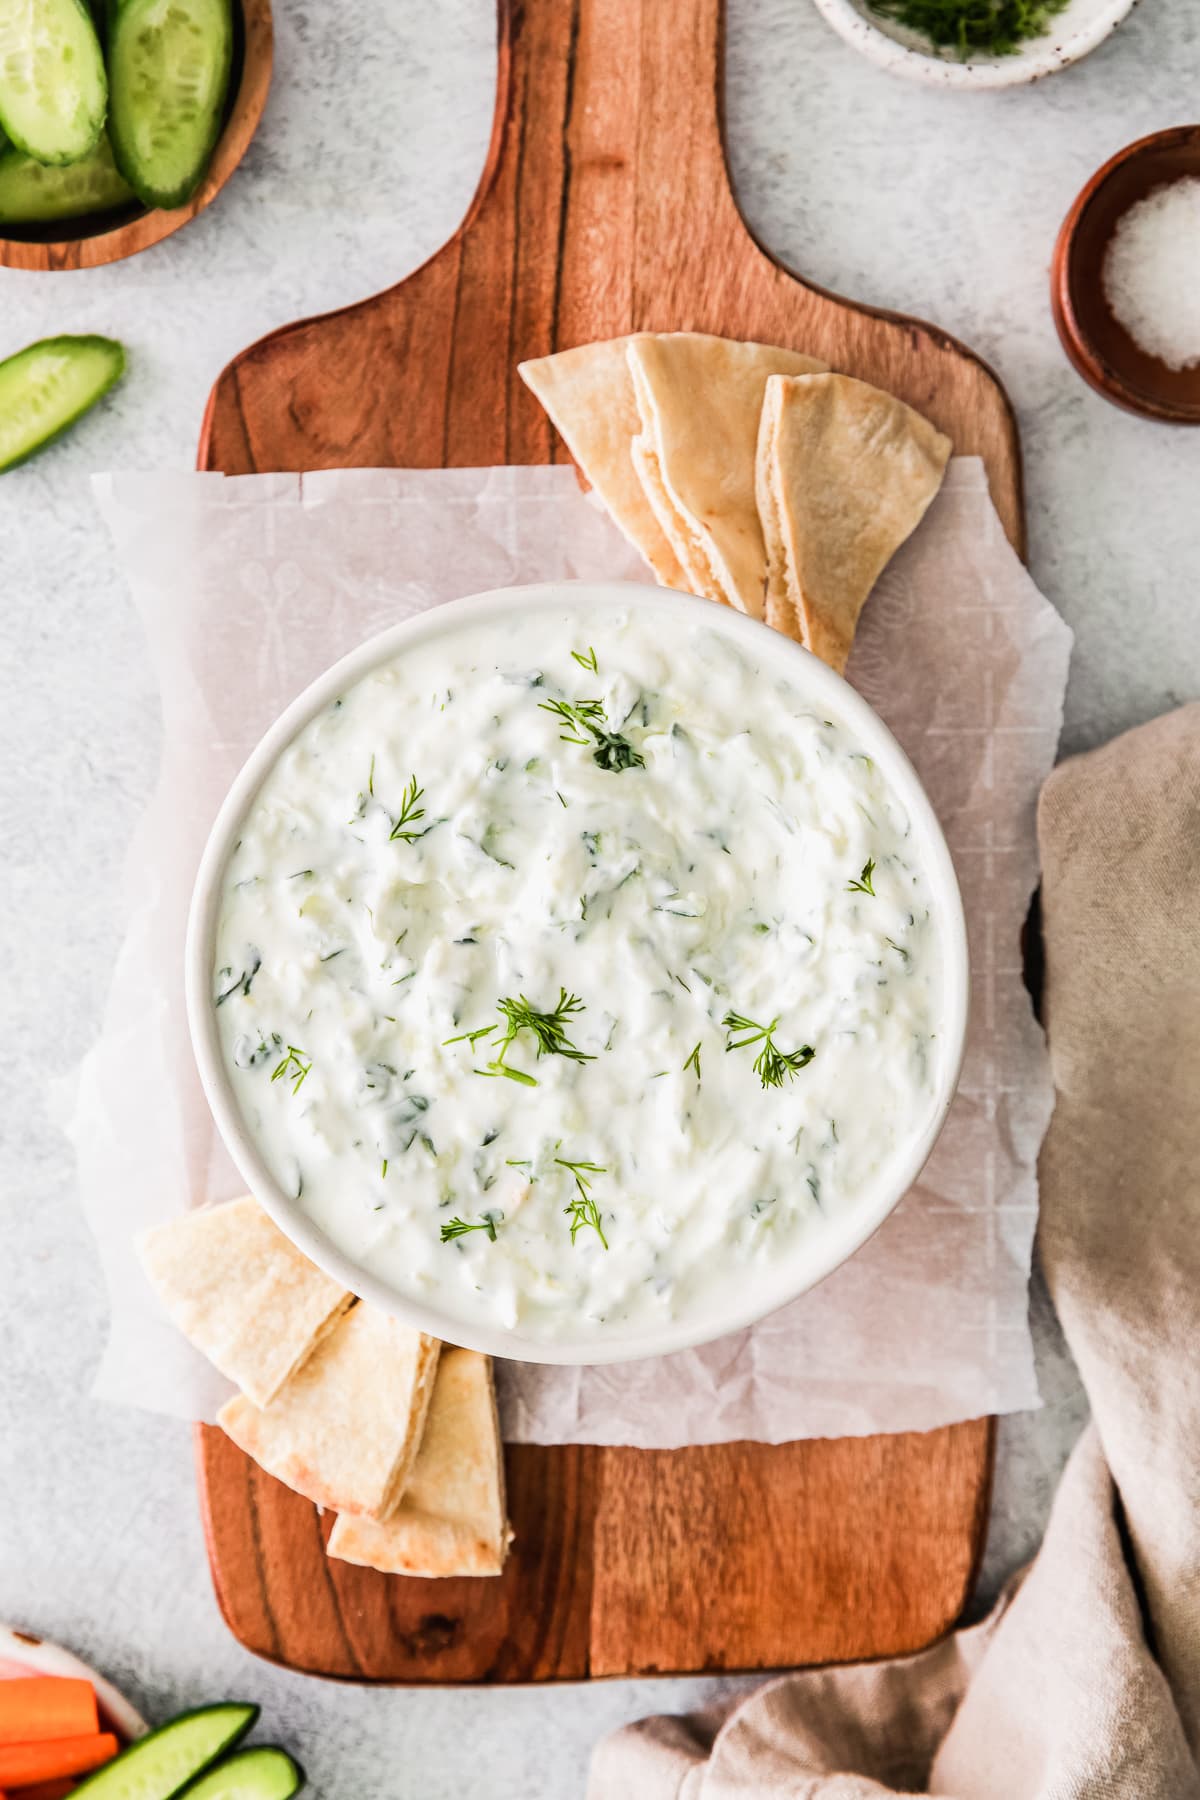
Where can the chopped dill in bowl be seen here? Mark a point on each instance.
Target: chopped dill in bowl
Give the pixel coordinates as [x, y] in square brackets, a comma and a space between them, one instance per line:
[972, 27]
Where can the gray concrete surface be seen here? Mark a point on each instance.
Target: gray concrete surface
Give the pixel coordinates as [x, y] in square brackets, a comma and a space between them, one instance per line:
[945, 205]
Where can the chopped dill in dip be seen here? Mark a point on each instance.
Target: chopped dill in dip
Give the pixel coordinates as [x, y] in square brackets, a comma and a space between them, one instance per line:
[568, 976]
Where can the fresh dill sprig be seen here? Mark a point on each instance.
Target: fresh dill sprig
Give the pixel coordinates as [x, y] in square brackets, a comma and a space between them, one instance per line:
[292, 1067]
[771, 1064]
[582, 1210]
[865, 882]
[586, 662]
[693, 1062]
[586, 718]
[582, 718]
[409, 813]
[499, 1068]
[549, 1028]
[459, 1228]
[549, 1032]
[469, 1037]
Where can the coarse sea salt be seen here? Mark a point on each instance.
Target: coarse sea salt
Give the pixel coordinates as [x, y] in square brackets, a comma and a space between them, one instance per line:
[1152, 273]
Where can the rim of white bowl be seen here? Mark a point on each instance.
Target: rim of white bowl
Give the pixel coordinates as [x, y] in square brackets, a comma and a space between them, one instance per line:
[1042, 56]
[840, 1237]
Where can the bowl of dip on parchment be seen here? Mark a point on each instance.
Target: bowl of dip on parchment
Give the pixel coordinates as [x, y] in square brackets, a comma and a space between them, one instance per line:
[578, 972]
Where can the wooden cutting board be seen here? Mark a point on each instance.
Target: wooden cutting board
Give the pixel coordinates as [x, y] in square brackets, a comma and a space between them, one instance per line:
[605, 207]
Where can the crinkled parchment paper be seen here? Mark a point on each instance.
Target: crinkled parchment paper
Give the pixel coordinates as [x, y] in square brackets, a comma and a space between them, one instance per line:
[248, 588]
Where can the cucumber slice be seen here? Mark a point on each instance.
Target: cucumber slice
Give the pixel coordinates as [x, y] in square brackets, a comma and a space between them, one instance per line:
[53, 89]
[30, 192]
[169, 64]
[45, 388]
[158, 1766]
[258, 1774]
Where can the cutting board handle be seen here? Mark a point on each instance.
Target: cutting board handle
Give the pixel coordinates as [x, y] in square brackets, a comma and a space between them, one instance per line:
[605, 206]
[607, 139]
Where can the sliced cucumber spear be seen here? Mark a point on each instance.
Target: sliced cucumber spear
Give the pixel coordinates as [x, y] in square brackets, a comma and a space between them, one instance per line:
[168, 63]
[46, 387]
[31, 192]
[158, 1766]
[258, 1774]
[53, 90]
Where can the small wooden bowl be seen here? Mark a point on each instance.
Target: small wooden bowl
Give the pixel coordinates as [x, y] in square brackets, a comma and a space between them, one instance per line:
[1094, 340]
[114, 235]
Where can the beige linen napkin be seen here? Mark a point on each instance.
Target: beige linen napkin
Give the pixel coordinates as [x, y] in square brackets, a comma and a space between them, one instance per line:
[1085, 1680]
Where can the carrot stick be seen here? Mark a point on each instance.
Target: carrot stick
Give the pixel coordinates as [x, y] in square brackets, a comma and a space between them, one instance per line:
[21, 1765]
[48, 1790]
[46, 1706]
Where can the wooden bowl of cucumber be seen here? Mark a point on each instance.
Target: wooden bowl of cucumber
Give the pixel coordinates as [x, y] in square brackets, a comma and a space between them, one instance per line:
[121, 120]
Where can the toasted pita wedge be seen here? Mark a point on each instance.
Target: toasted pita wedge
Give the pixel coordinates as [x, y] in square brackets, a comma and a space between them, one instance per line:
[699, 399]
[241, 1293]
[450, 1520]
[844, 475]
[345, 1429]
[694, 577]
[589, 396]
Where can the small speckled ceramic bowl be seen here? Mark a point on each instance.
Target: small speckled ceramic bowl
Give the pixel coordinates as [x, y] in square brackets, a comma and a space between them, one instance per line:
[1094, 339]
[1073, 32]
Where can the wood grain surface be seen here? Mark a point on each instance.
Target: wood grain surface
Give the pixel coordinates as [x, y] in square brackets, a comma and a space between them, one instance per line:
[124, 233]
[605, 206]
[626, 1562]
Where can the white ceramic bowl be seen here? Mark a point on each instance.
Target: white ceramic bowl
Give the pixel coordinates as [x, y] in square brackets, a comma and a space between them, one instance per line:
[1072, 33]
[675, 616]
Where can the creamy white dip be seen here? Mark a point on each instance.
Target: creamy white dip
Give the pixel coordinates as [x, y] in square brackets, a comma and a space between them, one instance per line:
[436, 855]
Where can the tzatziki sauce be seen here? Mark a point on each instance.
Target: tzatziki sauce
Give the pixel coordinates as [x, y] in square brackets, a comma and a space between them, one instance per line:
[572, 972]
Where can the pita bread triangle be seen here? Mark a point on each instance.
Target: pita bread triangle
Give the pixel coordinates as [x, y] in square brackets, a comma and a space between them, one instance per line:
[844, 475]
[344, 1431]
[451, 1518]
[699, 399]
[589, 396]
[242, 1293]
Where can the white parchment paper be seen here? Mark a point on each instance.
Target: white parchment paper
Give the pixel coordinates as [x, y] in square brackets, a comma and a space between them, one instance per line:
[248, 588]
